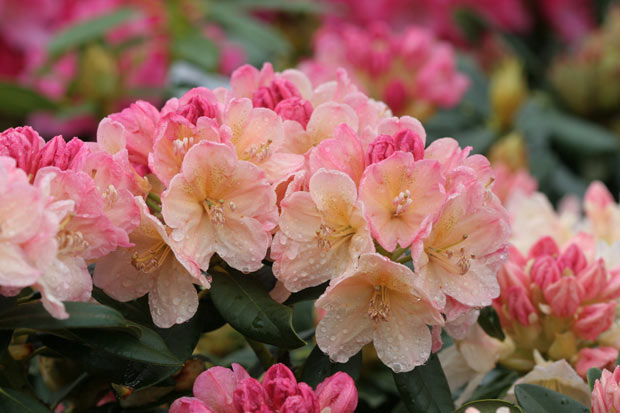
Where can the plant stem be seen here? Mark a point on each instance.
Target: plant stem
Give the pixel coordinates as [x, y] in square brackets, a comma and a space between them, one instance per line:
[397, 253]
[404, 260]
[153, 206]
[154, 197]
[262, 352]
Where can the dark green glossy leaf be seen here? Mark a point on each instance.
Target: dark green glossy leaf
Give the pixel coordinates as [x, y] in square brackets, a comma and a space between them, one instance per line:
[87, 31]
[244, 303]
[489, 406]
[81, 315]
[489, 321]
[196, 49]
[580, 135]
[318, 367]
[537, 399]
[307, 294]
[499, 381]
[18, 101]
[593, 375]
[12, 401]
[425, 388]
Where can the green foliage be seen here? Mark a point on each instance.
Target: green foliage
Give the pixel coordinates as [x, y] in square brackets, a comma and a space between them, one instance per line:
[425, 388]
[489, 321]
[318, 367]
[537, 399]
[12, 401]
[593, 375]
[244, 303]
[489, 406]
[18, 101]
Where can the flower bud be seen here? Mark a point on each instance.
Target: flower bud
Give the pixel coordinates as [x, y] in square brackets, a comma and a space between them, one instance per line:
[304, 402]
[595, 319]
[295, 108]
[249, 396]
[381, 148]
[279, 384]
[197, 107]
[544, 246]
[219, 378]
[63, 155]
[337, 392]
[598, 195]
[572, 259]
[408, 141]
[189, 405]
[395, 95]
[269, 97]
[519, 305]
[23, 145]
[599, 357]
[507, 91]
[545, 271]
[593, 279]
[606, 393]
[564, 296]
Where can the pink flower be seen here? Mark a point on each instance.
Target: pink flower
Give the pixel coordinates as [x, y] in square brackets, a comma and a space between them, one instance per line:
[338, 393]
[322, 232]
[461, 255]
[295, 108]
[153, 266]
[267, 88]
[402, 198]
[599, 357]
[438, 81]
[22, 144]
[189, 405]
[219, 204]
[377, 302]
[509, 184]
[602, 212]
[606, 393]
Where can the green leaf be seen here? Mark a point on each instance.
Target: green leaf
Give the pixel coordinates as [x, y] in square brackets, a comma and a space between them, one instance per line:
[197, 49]
[580, 136]
[307, 294]
[87, 31]
[318, 367]
[19, 101]
[243, 302]
[489, 321]
[489, 406]
[425, 388]
[12, 401]
[281, 5]
[81, 315]
[537, 399]
[593, 375]
[499, 382]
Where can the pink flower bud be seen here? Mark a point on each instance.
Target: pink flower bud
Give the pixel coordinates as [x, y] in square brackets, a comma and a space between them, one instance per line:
[599, 357]
[295, 108]
[408, 141]
[304, 402]
[337, 392]
[198, 107]
[222, 379]
[189, 405]
[598, 195]
[564, 296]
[269, 97]
[606, 393]
[395, 95]
[593, 279]
[519, 305]
[249, 396]
[573, 259]
[512, 274]
[544, 246]
[23, 145]
[63, 155]
[545, 271]
[279, 383]
[381, 148]
[612, 288]
[595, 319]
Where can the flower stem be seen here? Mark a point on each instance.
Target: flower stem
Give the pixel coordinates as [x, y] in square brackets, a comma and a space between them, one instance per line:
[397, 253]
[404, 260]
[153, 206]
[262, 352]
[154, 197]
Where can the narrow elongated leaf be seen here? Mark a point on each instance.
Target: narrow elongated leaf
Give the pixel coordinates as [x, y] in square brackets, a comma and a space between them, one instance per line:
[18, 101]
[593, 375]
[489, 321]
[243, 302]
[87, 31]
[12, 401]
[489, 406]
[197, 49]
[318, 367]
[81, 315]
[425, 388]
[579, 135]
[537, 399]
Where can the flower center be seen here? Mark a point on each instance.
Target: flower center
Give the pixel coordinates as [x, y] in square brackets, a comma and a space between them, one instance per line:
[379, 306]
[452, 259]
[151, 259]
[328, 237]
[401, 202]
[215, 210]
[259, 152]
[110, 196]
[71, 242]
[181, 146]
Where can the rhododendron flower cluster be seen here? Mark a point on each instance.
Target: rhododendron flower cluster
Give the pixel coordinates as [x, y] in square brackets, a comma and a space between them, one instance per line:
[323, 181]
[411, 71]
[606, 392]
[222, 390]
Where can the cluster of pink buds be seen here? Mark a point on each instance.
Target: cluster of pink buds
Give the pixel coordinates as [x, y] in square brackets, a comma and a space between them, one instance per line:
[606, 392]
[411, 71]
[222, 390]
[557, 301]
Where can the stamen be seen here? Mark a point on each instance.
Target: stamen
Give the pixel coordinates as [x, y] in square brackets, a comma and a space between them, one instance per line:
[71, 242]
[110, 196]
[215, 210]
[379, 306]
[151, 259]
[259, 152]
[181, 146]
[401, 202]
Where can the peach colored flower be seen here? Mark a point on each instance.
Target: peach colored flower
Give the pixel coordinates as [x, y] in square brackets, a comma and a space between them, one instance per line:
[219, 204]
[153, 266]
[322, 232]
[402, 198]
[466, 247]
[377, 302]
